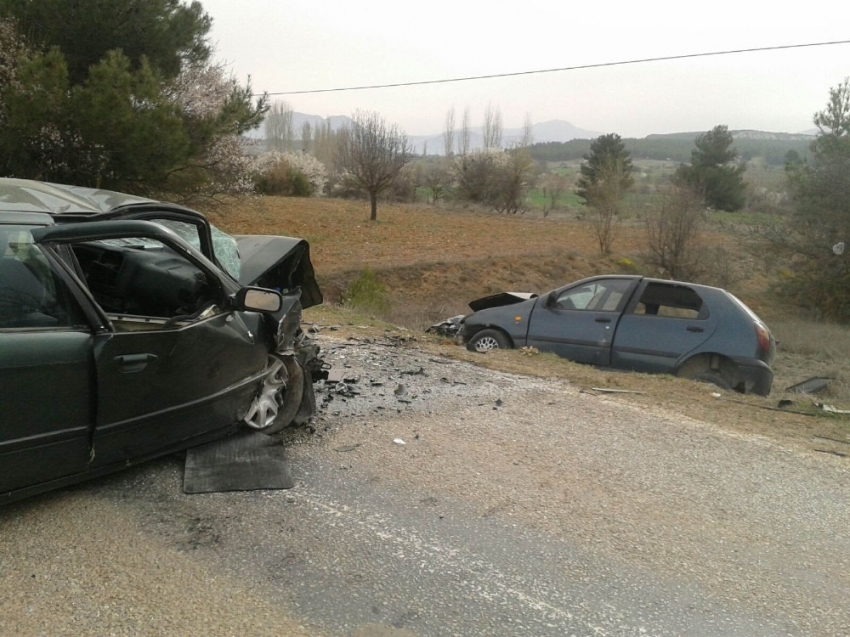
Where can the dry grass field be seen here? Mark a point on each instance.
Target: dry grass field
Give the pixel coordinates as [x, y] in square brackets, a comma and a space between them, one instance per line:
[429, 262]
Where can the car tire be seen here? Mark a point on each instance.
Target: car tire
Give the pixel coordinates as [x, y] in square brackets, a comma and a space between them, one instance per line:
[279, 400]
[487, 340]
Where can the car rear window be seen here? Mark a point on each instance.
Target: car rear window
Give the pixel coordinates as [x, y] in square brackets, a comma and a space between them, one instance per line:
[672, 301]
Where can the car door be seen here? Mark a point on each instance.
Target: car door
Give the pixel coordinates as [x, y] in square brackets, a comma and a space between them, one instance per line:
[579, 322]
[664, 321]
[164, 377]
[46, 375]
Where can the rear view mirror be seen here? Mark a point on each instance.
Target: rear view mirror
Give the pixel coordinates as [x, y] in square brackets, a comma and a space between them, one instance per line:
[258, 300]
[552, 299]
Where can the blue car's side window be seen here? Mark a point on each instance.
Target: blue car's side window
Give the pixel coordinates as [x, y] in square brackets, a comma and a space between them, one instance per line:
[671, 301]
[599, 296]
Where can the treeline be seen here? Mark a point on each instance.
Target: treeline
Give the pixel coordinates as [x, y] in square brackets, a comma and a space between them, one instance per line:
[674, 148]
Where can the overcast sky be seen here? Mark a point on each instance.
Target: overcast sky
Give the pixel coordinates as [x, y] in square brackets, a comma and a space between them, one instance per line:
[294, 45]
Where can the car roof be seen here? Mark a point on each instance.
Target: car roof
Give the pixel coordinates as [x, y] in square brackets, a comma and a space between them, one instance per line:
[25, 219]
[24, 195]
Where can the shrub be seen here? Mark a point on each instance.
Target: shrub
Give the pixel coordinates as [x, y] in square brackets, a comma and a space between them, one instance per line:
[673, 233]
[367, 294]
[290, 174]
[495, 177]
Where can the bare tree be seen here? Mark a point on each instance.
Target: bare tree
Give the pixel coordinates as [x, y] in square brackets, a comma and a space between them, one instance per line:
[279, 131]
[673, 233]
[492, 127]
[325, 143]
[449, 133]
[554, 186]
[527, 134]
[372, 154]
[465, 133]
[306, 137]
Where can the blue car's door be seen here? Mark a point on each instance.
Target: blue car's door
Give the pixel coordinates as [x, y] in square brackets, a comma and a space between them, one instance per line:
[662, 323]
[579, 322]
[46, 377]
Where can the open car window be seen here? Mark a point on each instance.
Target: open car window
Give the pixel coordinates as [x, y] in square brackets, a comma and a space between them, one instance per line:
[144, 284]
[32, 296]
[671, 301]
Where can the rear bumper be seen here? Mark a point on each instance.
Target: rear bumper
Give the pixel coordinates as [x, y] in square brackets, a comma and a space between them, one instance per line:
[756, 375]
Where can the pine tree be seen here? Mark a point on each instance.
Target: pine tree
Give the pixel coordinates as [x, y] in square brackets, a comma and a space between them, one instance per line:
[715, 171]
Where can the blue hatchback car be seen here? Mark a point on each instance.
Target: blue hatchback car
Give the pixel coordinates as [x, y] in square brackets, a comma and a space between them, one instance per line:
[634, 323]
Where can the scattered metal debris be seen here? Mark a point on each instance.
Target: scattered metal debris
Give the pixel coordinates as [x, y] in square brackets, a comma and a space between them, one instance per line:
[830, 409]
[449, 327]
[347, 448]
[843, 442]
[831, 452]
[769, 408]
[399, 442]
[813, 385]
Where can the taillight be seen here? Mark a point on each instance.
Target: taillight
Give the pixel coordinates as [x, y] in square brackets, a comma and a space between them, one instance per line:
[763, 337]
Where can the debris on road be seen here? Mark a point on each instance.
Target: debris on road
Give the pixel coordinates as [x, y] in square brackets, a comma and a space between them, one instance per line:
[399, 442]
[832, 410]
[449, 327]
[347, 448]
[813, 385]
[605, 390]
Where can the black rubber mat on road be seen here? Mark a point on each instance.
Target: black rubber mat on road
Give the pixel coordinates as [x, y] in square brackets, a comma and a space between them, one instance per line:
[247, 461]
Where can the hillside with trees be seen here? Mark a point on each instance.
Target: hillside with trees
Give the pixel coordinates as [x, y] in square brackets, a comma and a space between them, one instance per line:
[677, 147]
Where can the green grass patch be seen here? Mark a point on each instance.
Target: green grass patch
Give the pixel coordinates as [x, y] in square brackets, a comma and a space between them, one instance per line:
[367, 294]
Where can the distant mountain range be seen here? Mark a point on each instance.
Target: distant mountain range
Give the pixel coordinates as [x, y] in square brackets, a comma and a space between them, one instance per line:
[555, 130]
[743, 134]
[551, 131]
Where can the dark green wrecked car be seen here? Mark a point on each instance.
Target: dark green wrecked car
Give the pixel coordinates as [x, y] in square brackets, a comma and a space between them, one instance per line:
[132, 328]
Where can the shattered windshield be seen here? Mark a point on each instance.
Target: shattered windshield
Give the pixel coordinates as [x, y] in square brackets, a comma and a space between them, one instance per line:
[224, 246]
[227, 252]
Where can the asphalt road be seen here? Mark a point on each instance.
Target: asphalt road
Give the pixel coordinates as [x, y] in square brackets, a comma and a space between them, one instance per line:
[516, 506]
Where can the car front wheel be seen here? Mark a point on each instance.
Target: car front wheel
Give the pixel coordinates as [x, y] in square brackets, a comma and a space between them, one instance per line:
[280, 396]
[487, 340]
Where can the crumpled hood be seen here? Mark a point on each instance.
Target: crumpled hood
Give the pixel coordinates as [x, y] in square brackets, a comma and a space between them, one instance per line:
[278, 263]
[502, 298]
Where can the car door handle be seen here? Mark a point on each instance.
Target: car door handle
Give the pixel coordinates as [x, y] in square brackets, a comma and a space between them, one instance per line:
[694, 328]
[131, 363]
[602, 319]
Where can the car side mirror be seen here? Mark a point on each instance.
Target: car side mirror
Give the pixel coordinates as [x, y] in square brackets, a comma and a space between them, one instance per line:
[258, 300]
[551, 299]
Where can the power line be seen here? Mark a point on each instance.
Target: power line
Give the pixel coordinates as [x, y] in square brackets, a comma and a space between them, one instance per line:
[558, 70]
